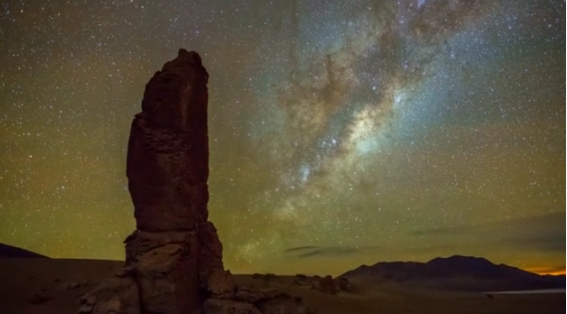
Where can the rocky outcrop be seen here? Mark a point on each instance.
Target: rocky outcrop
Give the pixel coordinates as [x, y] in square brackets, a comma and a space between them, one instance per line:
[302, 280]
[324, 284]
[284, 304]
[215, 306]
[344, 284]
[327, 285]
[174, 257]
[269, 277]
[118, 295]
[167, 169]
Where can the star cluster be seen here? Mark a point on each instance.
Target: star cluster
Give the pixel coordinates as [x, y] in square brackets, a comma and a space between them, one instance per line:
[341, 132]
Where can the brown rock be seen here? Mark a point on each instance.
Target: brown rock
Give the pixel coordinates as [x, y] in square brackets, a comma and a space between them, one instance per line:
[215, 306]
[254, 296]
[174, 258]
[141, 243]
[266, 277]
[221, 284]
[71, 285]
[302, 280]
[176, 249]
[167, 162]
[39, 298]
[164, 265]
[89, 298]
[326, 285]
[316, 284]
[115, 296]
[86, 308]
[344, 284]
[126, 271]
[210, 252]
[284, 304]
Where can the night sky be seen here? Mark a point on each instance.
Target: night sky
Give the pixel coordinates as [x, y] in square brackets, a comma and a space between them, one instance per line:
[341, 132]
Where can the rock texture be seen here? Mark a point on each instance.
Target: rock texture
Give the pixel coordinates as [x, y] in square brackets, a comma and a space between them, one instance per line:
[324, 284]
[167, 163]
[118, 295]
[174, 257]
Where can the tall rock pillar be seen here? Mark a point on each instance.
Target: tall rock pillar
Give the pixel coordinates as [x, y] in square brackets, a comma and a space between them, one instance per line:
[168, 151]
[175, 248]
[174, 257]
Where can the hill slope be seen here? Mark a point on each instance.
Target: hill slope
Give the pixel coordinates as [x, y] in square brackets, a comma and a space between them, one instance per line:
[12, 251]
[454, 273]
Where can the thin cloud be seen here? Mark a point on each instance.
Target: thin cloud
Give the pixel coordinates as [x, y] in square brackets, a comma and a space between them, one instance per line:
[333, 251]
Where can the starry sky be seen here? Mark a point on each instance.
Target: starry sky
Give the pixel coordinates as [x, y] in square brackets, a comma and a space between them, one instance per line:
[341, 132]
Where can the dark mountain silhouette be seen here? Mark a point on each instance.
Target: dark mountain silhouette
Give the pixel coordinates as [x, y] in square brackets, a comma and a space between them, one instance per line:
[12, 251]
[454, 273]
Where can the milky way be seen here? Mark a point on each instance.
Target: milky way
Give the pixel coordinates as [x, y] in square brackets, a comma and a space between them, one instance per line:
[341, 132]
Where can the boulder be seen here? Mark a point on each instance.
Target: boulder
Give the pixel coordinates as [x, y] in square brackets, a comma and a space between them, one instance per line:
[326, 285]
[221, 285]
[302, 280]
[344, 284]
[39, 298]
[215, 306]
[164, 266]
[284, 304]
[254, 296]
[115, 296]
[71, 285]
[266, 277]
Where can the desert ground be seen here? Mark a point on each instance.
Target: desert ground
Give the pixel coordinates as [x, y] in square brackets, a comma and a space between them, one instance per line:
[40, 286]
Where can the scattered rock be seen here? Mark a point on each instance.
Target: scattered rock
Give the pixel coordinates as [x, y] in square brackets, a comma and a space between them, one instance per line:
[88, 298]
[327, 285]
[72, 285]
[283, 304]
[215, 306]
[39, 298]
[344, 284]
[115, 296]
[126, 271]
[324, 284]
[315, 284]
[86, 308]
[255, 296]
[266, 277]
[302, 280]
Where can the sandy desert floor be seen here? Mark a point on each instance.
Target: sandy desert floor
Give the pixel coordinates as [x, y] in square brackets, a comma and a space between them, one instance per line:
[54, 285]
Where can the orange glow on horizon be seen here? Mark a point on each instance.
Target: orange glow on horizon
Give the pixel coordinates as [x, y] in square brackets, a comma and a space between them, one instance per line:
[542, 270]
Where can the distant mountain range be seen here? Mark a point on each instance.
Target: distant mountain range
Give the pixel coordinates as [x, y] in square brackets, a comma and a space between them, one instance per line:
[12, 251]
[457, 272]
[463, 273]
